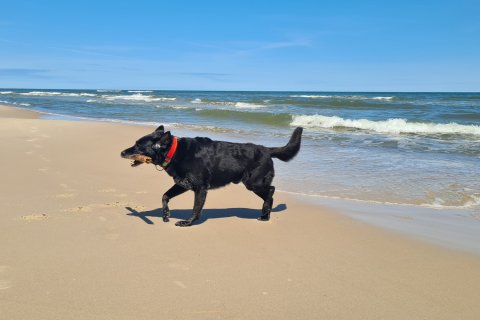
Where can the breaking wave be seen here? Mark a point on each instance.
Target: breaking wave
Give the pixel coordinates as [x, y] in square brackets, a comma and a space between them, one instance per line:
[341, 97]
[54, 94]
[239, 105]
[392, 126]
[245, 105]
[16, 103]
[136, 97]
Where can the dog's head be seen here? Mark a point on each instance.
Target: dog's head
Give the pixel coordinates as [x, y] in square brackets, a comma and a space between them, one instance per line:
[151, 148]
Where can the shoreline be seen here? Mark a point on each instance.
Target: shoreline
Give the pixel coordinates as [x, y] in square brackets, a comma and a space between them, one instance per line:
[366, 147]
[455, 228]
[191, 131]
[81, 236]
[470, 202]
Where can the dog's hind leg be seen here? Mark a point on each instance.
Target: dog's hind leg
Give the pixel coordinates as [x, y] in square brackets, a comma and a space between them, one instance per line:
[200, 196]
[259, 181]
[171, 193]
[267, 196]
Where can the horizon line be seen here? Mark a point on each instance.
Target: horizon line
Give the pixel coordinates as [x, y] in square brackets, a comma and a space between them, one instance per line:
[213, 90]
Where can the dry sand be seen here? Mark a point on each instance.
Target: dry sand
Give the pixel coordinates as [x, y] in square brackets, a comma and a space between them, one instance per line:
[81, 237]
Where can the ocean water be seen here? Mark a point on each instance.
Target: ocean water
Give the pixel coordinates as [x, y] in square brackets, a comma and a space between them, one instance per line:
[420, 149]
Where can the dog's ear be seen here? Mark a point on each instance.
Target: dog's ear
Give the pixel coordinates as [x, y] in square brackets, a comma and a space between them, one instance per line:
[160, 130]
[166, 137]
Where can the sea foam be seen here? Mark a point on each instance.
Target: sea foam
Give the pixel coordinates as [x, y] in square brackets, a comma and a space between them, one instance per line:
[245, 105]
[239, 105]
[16, 103]
[137, 97]
[310, 96]
[340, 97]
[392, 126]
[56, 94]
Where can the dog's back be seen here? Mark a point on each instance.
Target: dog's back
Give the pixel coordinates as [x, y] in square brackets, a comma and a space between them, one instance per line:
[214, 164]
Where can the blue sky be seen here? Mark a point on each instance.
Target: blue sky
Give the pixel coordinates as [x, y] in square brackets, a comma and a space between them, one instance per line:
[241, 45]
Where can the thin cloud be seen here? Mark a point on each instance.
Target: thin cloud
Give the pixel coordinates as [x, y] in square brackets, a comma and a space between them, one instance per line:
[286, 44]
[23, 72]
[247, 47]
[254, 47]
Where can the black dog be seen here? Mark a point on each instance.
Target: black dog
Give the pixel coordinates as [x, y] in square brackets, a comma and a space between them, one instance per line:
[200, 164]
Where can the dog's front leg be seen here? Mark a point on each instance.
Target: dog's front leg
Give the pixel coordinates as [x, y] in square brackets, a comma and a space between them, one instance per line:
[200, 196]
[172, 192]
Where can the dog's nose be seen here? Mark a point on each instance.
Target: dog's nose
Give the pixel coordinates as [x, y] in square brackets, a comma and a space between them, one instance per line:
[122, 154]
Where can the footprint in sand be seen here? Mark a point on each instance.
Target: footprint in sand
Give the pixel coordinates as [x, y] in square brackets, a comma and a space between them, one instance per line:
[138, 208]
[91, 207]
[35, 217]
[78, 209]
[115, 204]
[123, 204]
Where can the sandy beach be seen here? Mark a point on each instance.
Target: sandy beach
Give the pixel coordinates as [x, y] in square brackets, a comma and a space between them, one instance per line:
[81, 237]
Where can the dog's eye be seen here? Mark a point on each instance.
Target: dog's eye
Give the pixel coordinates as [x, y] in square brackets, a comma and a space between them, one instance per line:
[156, 146]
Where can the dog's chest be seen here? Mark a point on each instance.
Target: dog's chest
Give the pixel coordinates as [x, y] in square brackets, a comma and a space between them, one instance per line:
[183, 182]
[187, 182]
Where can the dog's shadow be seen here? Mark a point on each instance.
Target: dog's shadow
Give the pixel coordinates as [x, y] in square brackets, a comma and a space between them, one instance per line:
[183, 214]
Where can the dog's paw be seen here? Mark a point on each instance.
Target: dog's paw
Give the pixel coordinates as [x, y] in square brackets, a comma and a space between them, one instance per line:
[264, 218]
[183, 223]
[166, 214]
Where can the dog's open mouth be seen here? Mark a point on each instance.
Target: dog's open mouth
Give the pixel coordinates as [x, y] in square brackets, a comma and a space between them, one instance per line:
[138, 159]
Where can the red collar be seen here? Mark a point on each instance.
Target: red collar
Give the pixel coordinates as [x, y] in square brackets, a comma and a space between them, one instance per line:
[170, 153]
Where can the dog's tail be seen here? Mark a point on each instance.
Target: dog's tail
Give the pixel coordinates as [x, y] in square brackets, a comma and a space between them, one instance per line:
[289, 151]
